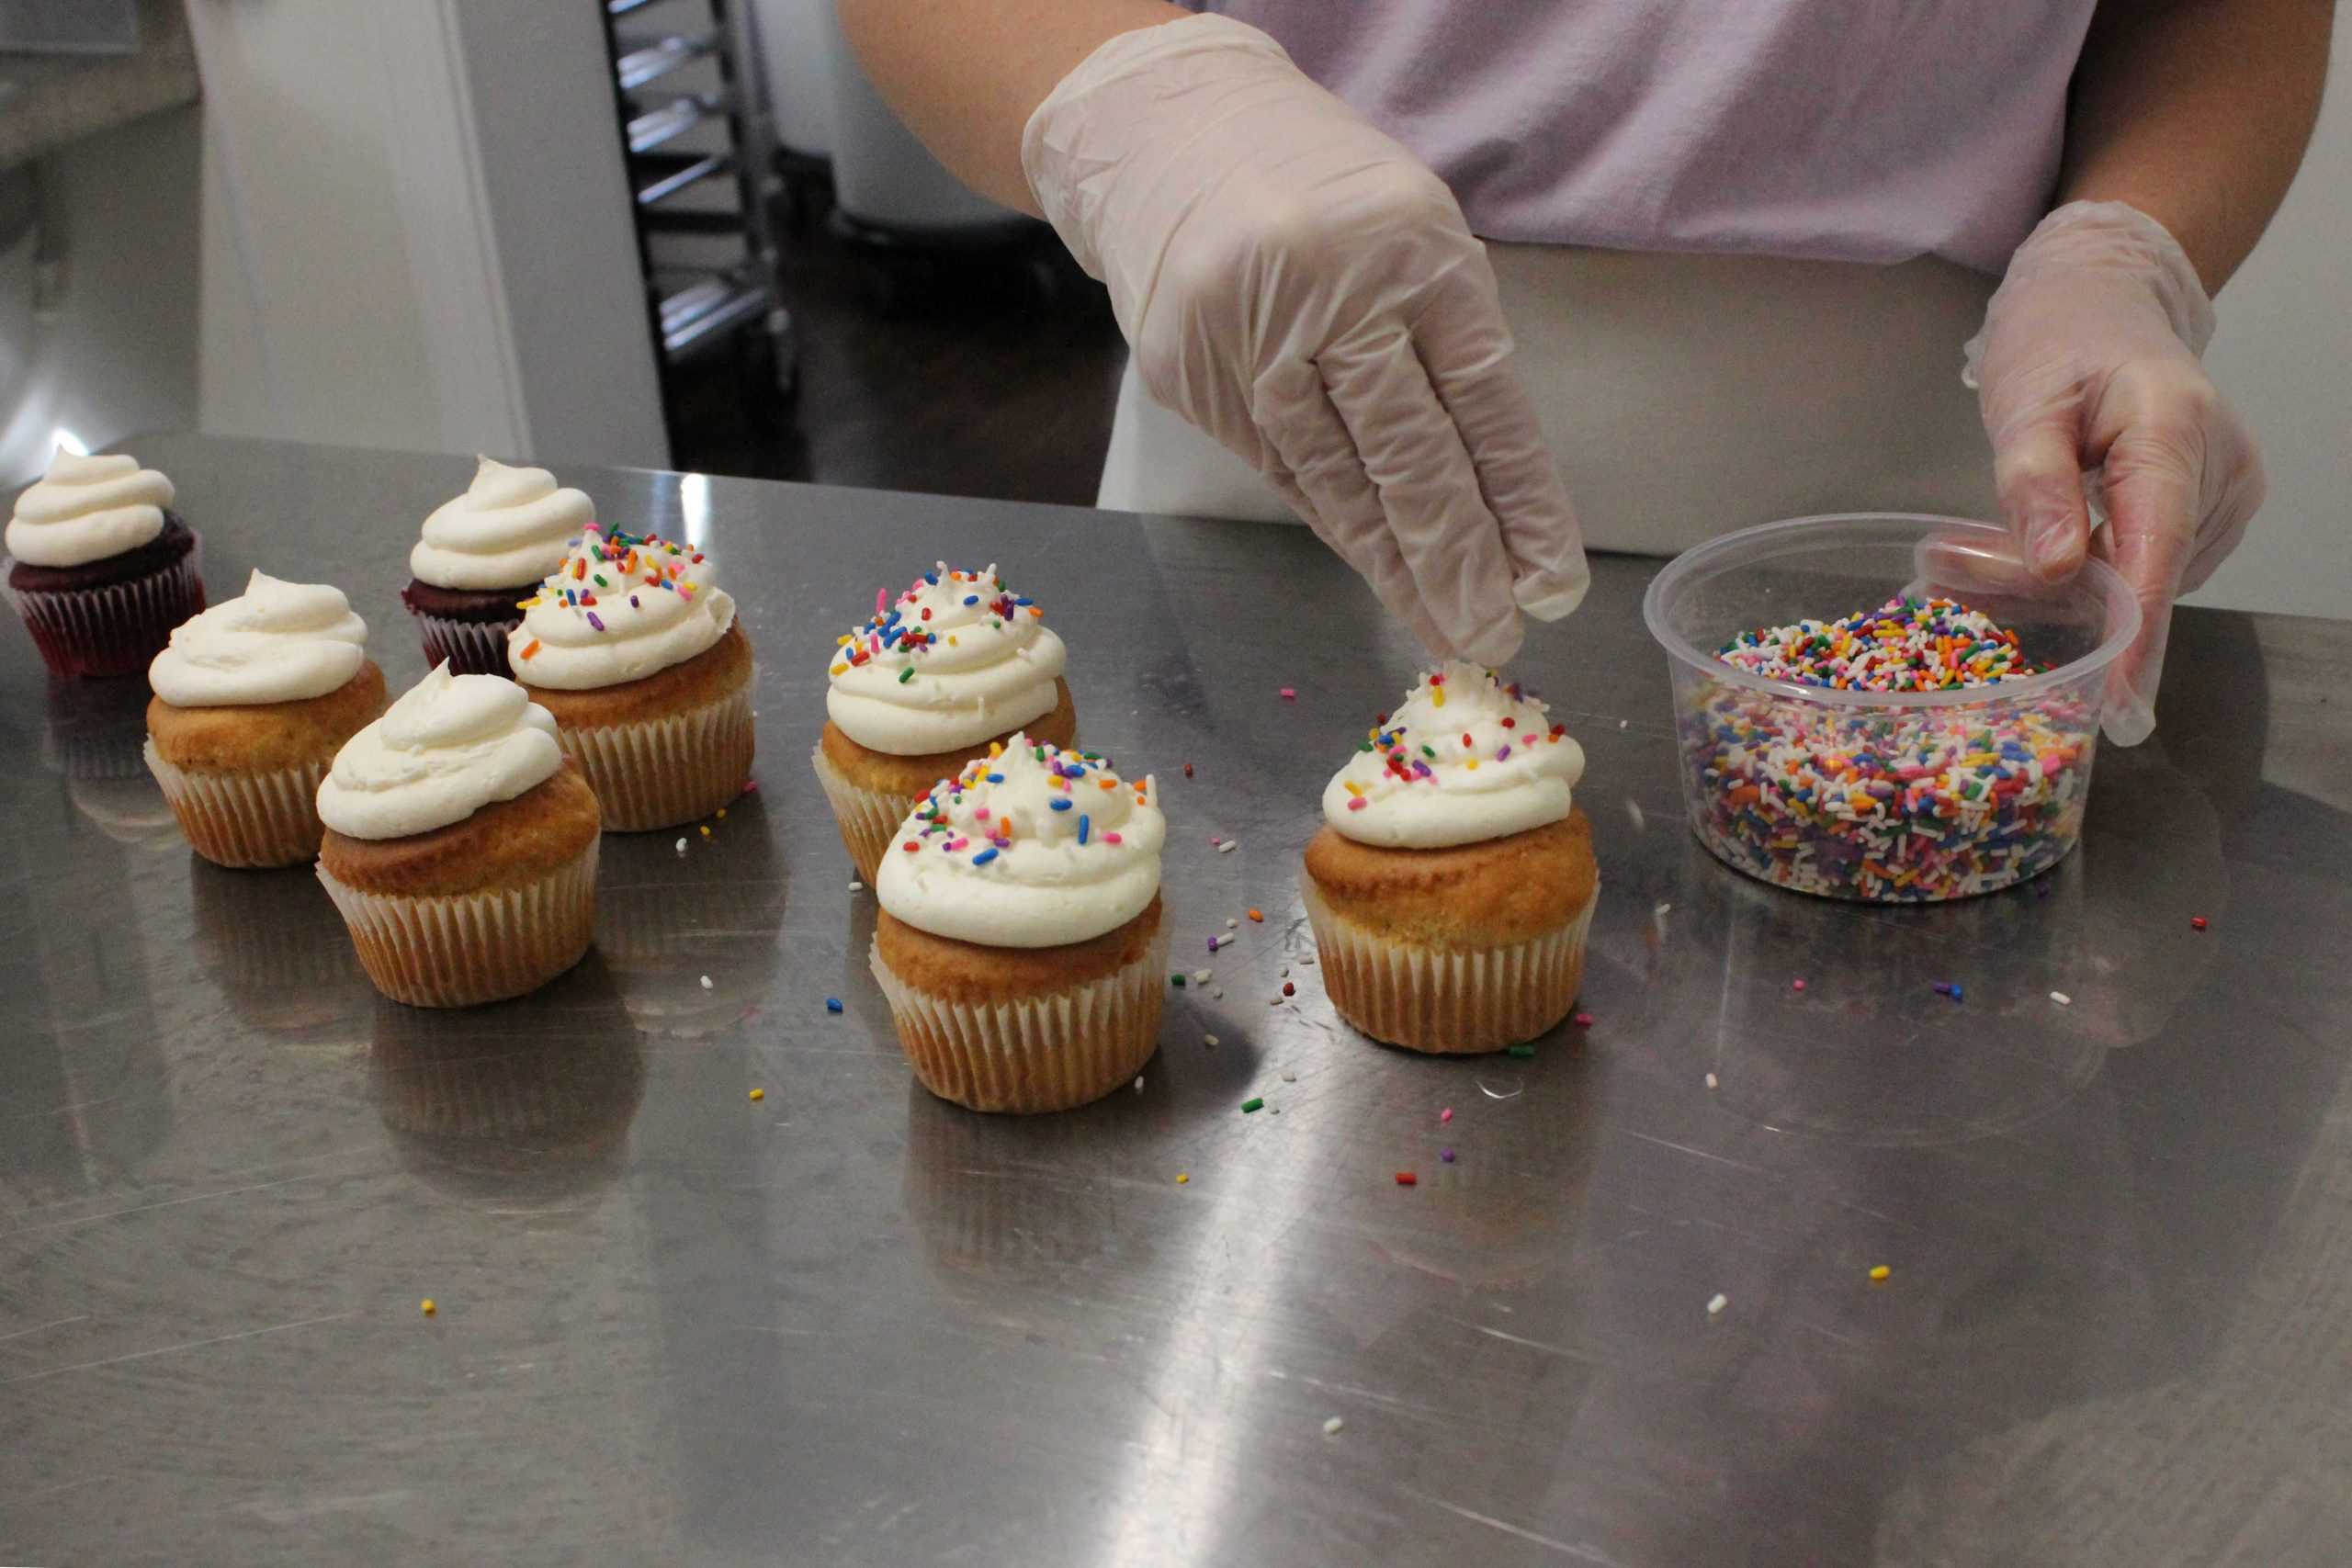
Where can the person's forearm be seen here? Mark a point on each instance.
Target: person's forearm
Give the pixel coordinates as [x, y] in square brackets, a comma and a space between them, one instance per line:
[2196, 112]
[966, 75]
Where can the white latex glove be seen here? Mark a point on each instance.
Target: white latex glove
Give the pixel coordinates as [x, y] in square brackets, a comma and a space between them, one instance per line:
[1294, 282]
[2087, 370]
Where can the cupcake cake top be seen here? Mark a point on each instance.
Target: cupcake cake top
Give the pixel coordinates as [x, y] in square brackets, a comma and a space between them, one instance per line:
[620, 607]
[1029, 846]
[277, 642]
[451, 745]
[956, 659]
[86, 509]
[508, 530]
[1465, 758]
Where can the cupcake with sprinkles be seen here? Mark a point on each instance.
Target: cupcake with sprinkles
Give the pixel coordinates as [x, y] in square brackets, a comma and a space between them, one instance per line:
[1453, 883]
[636, 651]
[1021, 941]
[1890, 803]
[99, 566]
[955, 663]
[482, 554]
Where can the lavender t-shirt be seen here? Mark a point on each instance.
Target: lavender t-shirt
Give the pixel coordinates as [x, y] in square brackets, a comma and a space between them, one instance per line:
[1826, 129]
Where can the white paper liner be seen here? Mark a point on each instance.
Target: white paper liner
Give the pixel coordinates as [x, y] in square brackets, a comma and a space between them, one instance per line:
[471, 648]
[1447, 1000]
[1056, 1051]
[245, 819]
[869, 819]
[667, 771]
[478, 947]
[114, 630]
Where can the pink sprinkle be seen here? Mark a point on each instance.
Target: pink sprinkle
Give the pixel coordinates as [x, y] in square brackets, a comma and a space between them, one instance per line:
[1584, 1021]
[1796, 984]
[1110, 838]
[957, 845]
[981, 812]
[881, 601]
[1289, 695]
[1214, 839]
[751, 786]
[1446, 1114]
[1355, 803]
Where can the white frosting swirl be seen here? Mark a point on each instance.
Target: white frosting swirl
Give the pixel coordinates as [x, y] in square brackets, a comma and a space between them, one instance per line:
[981, 658]
[1029, 847]
[619, 608]
[1464, 759]
[507, 531]
[279, 642]
[86, 509]
[451, 745]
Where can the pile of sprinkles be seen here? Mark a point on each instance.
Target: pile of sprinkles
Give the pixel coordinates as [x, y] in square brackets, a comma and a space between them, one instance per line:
[618, 565]
[1077, 778]
[904, 628]
[1406, 758]
[1893, 804]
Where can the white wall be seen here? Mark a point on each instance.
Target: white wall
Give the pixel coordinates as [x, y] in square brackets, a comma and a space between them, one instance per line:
[2283, 354]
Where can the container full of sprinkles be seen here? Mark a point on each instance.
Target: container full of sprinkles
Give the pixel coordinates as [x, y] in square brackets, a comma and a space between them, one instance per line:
[1884, 707]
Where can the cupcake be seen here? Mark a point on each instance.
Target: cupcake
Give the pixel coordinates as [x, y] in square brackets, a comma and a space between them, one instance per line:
[483, 553]
[461, 845]
[98, 568]
[634, 649]
[1020, 942]
[1453, 883]
[959, 662]
[253, 699]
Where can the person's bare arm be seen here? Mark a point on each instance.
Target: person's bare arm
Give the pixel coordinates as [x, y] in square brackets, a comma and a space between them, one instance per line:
[2196, 112]
[966, 75]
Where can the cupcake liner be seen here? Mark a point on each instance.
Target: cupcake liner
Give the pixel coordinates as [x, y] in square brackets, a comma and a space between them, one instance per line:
[470, 648]
[1448, 1000]
[1056, 1051]
[114, 630]
[477, 947]
[668, 772]
[245, 819]
[869, 819]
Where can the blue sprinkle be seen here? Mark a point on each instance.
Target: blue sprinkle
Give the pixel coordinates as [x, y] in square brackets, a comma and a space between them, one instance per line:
[1059, 804]
[984, 857]
[996, 778]
[1017, 602]
[1082, 830]
[931, 578]
[971, 598]
[832, 1004]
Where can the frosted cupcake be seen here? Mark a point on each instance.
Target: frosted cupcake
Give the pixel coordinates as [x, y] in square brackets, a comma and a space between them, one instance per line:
[460, 845]
[98, 567]
[958, 661]
[1020, 940]
[1453, 885]
[635, 649]
[253, 699]
[482, 554]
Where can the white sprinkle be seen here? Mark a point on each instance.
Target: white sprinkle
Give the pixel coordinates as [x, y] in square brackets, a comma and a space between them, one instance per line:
[1200, 977]
[1307, 961]
[1710, 1080]
[857, 886]
[2061, 998]
[1138, 1083]
[1227, 847]
[1208, 1040]
[1718, 1304]
[1290, 1077]
[1285, 974]
[1623, 723]
[1634, 810]
[705, 982]
[682, 846]
[1217, 996]
[1331, 1427]
[1662, 910]
[1231, 924]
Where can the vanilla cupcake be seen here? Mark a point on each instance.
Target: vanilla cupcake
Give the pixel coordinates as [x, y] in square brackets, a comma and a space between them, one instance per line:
[927, 684]
[98, 567]
[253, 699]
[461, 845]
[1021, 941]
[1453, 885]
[635, 649]
[482, 554]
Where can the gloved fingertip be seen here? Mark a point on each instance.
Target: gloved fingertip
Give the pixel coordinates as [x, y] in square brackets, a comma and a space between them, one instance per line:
[2054, 545]
[2128, 722]
[1548, 597]
[1494, 644]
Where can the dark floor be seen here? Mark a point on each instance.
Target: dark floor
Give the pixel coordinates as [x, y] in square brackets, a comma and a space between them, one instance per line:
[991, 372]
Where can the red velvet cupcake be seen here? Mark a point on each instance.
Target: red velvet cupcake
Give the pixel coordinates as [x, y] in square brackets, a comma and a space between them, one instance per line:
[98, 568]
[482, 555]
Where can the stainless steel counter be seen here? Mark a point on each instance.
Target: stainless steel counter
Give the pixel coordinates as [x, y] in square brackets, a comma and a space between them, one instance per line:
[850, 1324]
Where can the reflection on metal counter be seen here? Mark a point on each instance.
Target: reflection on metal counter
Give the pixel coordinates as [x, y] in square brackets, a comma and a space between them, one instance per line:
[846, 1323]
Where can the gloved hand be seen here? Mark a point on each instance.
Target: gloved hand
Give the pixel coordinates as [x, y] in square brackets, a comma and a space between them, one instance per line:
[2087, 370]
[1294, 282]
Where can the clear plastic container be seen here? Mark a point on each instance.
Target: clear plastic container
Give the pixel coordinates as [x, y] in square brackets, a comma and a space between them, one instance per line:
[1889, 797]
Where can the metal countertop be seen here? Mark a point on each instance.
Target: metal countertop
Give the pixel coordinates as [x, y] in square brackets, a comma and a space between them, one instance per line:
[850, 1324]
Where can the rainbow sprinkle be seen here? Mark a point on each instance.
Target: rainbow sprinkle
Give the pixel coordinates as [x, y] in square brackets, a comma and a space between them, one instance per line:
[1886, 803]
[639, 561]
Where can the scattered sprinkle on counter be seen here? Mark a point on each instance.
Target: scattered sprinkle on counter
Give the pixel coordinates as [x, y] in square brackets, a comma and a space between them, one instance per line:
[1445, 1115]
[1188, 770]
[857, 886]
[1951, 988]
[705, 830]
[1407, 1178]
[1289, 989]
[1716, 1304]
[2197, 922]
[1255, 1102]
[682, 846]
[1710, 1080]
[1183, 1177]
[428, 1306]
[832, 1004]
[1331, 1426]
[1521, 1052]
[705, 982]
[1289, 694]
[2061, 998]
[1210, 1040]
[759, 1094]
[1201, 976]
[1227, 847]
[1583, 1020]
[1138, 1083]
[1446, 1155]
[1177, 981]
[1796, 984]
[1257, 916]
[1880, 1274]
